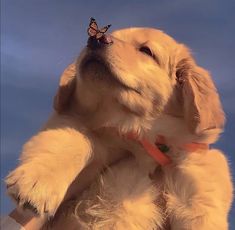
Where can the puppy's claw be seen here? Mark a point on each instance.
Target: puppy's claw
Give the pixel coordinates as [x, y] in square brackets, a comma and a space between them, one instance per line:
[28, 205]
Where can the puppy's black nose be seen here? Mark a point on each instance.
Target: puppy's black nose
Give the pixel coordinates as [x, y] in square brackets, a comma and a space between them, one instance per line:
[95, 43]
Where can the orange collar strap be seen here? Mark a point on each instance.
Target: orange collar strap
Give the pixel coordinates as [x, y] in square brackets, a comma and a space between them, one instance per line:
[158, 150]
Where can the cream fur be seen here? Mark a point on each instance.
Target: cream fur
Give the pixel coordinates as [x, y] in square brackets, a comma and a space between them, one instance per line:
[124, 198]
[105, 94]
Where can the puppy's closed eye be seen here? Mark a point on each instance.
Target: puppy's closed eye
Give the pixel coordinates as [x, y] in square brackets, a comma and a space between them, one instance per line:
[146, 50]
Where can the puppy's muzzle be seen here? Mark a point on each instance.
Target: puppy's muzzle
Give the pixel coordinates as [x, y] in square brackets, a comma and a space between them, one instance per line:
[102, 42]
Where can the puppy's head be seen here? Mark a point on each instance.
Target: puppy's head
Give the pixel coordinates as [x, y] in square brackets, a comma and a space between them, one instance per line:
[138, 78]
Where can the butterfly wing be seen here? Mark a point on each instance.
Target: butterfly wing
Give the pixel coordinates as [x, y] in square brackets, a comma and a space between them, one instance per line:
[102, 31]
[91, 32]
[99, 35]
[93, 28]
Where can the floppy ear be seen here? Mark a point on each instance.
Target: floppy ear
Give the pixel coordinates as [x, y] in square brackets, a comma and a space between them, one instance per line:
[201, 103]
[66, 88]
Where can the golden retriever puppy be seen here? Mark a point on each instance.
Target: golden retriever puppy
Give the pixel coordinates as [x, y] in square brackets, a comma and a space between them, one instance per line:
[138, 81]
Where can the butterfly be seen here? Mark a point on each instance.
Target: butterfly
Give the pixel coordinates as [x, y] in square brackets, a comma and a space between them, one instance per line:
[94, 31]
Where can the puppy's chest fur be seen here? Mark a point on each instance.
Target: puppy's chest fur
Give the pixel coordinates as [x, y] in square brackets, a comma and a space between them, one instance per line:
[118, 146]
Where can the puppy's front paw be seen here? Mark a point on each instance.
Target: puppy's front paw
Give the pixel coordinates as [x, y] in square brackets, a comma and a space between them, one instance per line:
[36, 188]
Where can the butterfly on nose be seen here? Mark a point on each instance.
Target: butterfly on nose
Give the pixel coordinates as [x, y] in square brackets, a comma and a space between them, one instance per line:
[97, 37]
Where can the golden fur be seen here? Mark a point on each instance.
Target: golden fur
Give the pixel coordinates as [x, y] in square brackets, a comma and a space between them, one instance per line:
[118, 89]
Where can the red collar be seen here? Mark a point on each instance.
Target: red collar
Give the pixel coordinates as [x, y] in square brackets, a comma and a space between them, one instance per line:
[154, 151]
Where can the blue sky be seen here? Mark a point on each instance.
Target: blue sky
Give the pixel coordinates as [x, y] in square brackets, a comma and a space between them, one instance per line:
[40, 37]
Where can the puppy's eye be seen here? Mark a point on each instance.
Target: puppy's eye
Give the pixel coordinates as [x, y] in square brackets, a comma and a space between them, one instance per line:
[146, 50]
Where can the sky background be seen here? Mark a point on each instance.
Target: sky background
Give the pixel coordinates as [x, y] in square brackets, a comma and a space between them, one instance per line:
[39, 38]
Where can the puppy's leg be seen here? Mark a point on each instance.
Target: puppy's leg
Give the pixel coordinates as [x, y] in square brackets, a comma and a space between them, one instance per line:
[49, 163]
[199, 192]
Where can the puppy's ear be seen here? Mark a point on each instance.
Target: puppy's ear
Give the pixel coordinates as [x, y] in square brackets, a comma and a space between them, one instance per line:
[201, 103]
[66, 88]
